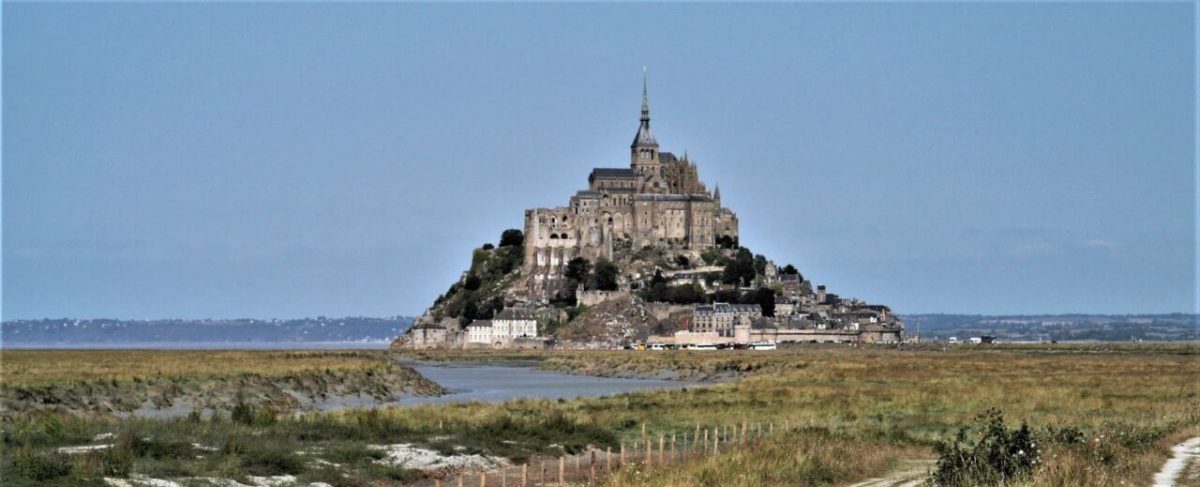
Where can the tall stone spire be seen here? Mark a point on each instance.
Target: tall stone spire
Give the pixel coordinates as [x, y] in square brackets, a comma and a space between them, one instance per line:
[717, 193]
[645, 99]
[644, 137]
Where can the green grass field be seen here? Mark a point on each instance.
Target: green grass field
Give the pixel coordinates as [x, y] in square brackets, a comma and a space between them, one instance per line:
[1099, 415]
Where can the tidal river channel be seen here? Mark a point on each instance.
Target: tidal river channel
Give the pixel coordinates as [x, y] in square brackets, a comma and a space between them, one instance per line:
[502, 382]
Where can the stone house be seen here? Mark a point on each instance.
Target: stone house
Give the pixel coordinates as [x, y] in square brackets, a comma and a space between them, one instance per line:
[721, 317]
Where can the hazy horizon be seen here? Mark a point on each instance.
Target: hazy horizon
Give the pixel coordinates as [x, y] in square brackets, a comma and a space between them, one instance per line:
[191, 161]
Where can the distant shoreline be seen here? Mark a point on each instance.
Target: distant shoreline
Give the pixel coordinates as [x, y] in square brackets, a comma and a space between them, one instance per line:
[264, 345]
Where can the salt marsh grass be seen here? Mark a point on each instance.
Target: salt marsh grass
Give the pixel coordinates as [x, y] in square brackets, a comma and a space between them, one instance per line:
[1101, 415]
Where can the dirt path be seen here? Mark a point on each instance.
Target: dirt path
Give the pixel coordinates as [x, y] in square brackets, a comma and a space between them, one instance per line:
[1185, 453]
[910, 473]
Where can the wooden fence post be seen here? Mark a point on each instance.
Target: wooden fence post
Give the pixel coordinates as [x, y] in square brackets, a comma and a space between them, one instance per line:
[716, 440]
[622, 465]
[649, 452]
[593, 466]
[608, 459]
[562, 470]
[742, 438]
[705, 441]
[460, 479]
[483, 478]
[525, 475]
[672, 445]
[437, 482]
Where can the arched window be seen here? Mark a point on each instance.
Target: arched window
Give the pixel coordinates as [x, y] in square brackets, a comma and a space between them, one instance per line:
[554, 236]
[564, 236]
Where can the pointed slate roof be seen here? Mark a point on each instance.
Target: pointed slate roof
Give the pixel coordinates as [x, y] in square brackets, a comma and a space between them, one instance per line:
[644, 137]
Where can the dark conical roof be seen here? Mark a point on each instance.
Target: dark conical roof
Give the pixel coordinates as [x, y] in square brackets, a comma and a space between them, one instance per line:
[644, 137]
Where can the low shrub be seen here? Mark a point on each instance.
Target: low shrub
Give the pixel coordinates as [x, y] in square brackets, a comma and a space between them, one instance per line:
[996, 456]
[41, 465]
[267, 460]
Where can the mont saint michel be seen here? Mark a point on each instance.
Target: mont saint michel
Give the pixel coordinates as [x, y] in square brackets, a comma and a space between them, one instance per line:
[644, 255]
[651, 244]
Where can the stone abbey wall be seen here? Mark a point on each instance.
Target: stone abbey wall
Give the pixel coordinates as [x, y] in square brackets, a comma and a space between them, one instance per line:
[658, 201]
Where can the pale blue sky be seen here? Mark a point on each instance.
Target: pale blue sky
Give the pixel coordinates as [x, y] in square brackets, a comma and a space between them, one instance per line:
[284, 160]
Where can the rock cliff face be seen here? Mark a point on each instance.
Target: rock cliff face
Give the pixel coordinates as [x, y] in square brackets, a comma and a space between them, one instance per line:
[651, 291]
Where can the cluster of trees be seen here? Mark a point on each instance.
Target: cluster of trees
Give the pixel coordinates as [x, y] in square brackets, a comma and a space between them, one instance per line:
[601, 277]
[512, 238]
[764, 297]
[742, 268]
[475, 298]
[658, 290]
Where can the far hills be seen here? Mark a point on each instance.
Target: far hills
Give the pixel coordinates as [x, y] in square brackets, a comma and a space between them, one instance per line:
[172, 333]
[99, 333]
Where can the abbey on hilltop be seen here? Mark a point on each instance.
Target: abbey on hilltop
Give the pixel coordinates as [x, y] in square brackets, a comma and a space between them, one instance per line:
[657, 201]
[644, 254]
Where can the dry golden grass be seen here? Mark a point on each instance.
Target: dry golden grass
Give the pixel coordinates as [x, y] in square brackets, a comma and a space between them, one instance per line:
[41, 367]
[856, 412]
[885, 404]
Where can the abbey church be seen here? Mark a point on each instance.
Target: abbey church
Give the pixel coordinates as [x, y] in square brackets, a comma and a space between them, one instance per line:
[657, 201]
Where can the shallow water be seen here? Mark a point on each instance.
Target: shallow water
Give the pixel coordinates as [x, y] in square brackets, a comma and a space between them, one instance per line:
[503, 382]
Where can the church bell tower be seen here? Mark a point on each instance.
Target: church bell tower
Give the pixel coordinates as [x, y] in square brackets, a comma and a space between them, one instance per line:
[644, 150]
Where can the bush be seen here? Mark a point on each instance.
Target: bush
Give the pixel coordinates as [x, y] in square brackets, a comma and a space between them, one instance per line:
[273, 459]
[604, 276]
[713, 257]
[353, 454]
[512, 238]
[740, 270]
[998, 456]
[242, 413]
[472, 282]
[41, 466]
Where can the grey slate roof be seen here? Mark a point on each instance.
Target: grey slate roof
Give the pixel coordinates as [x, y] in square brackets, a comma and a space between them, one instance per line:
[644, 137]
[612, 173]
[666, 157]
[515, 314]
[724, 308]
